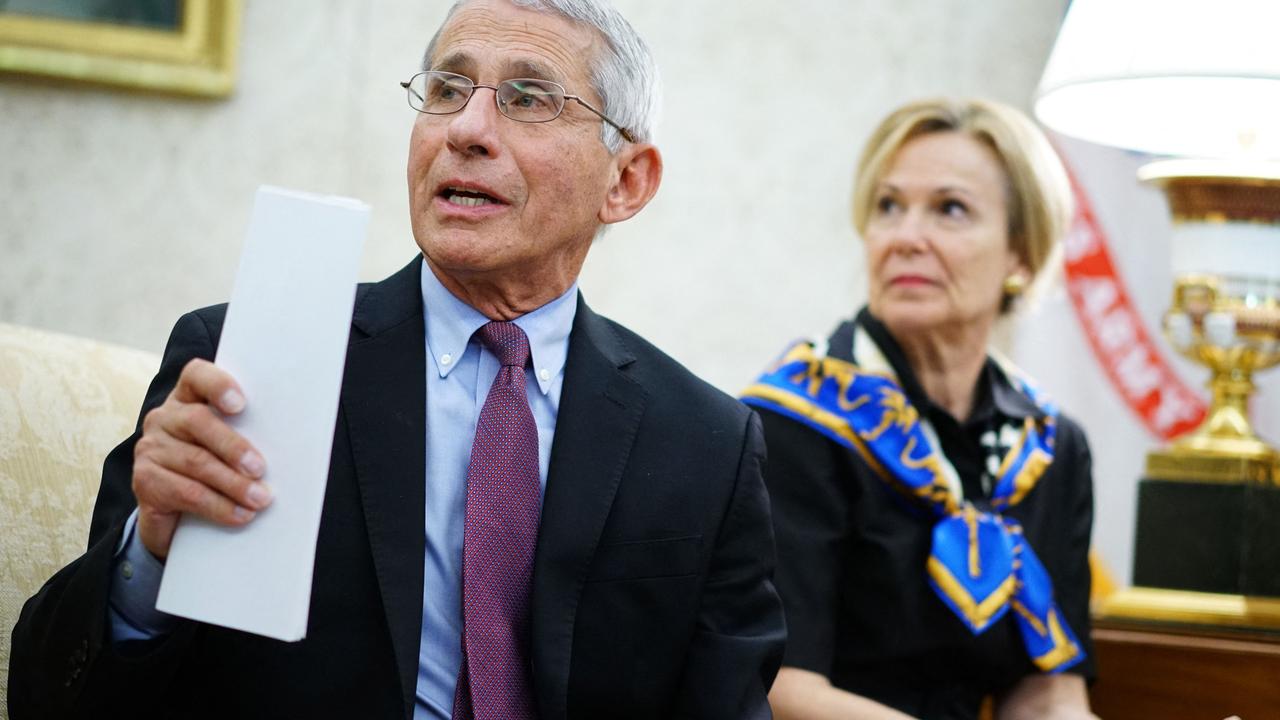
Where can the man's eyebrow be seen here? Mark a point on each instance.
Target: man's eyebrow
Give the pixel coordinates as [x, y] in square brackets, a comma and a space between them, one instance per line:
[453, 62]
[531, 69]
[462, 63]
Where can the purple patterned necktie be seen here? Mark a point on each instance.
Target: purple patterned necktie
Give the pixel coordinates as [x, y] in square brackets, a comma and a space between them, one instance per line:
[503, 507]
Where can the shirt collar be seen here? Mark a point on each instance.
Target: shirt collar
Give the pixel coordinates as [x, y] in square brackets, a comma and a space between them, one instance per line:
[450, 323]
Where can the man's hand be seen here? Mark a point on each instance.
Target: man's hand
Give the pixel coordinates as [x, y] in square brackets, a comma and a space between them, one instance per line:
[189, 461]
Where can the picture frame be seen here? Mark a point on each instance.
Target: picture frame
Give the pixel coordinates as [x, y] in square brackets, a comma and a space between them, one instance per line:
[194, 56]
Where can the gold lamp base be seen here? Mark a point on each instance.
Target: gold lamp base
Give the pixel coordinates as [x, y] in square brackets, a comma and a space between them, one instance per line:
[1217, 462]
[1227, 317]
[1181, 607]
[1224, 449]
[1206, 547]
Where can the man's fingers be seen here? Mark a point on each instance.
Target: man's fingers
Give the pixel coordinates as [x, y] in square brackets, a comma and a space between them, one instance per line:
[189, 460]
[206, 429]
[199, 425]
[164, 491]
[196, 463]
[163, 495]
[203, 382]
[187, 416]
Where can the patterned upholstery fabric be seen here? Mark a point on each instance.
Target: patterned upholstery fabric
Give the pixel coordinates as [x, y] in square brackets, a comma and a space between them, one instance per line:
[64, 403]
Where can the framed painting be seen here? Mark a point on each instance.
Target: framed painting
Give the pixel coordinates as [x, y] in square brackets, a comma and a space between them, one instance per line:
[173, 46]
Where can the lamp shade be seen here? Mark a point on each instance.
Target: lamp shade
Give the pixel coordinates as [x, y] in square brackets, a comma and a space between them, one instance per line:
[1172, 77]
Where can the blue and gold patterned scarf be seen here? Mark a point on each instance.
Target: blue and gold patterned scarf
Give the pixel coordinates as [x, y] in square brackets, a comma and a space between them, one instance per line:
[980, 564]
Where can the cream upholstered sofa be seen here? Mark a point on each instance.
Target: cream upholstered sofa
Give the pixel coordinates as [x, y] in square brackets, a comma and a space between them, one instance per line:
[64, 403]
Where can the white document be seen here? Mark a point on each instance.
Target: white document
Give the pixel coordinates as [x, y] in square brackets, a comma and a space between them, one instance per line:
[285, 342]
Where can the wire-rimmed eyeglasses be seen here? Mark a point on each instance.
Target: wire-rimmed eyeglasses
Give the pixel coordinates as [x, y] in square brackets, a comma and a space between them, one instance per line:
[526, 100]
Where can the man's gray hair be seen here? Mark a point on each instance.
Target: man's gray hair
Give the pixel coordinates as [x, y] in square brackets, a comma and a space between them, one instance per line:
[624, 76]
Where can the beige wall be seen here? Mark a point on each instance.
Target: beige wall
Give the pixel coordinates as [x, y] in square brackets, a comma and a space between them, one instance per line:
[120, 211]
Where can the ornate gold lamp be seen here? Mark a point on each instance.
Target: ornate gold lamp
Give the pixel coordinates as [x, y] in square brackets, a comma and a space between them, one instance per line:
[1225, 312]
[1192, 79]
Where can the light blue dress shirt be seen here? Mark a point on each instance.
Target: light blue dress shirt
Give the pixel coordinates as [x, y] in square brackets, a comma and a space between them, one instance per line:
[459, 371]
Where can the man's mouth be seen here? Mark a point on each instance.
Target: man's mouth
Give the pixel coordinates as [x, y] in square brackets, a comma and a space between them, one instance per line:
[468, 197]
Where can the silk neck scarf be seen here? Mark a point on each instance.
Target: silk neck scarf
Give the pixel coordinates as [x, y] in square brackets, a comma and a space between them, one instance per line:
[980, 564]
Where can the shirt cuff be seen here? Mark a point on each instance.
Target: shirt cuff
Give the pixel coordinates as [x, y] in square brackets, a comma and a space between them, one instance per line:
[135, 583]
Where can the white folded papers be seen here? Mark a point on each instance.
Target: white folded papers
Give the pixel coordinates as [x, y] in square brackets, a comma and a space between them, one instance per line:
[285, 342]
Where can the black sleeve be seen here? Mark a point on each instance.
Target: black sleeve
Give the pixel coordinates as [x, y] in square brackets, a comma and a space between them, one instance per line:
[62, 662]
[810, 499]
[737, 645]
[1072, 577]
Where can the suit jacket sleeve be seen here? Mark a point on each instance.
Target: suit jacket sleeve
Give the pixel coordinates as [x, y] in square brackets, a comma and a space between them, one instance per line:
[811, 519]
[63, 663]
[737, 646]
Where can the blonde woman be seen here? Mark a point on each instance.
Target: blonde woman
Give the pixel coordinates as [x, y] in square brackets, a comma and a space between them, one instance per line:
[932, 507]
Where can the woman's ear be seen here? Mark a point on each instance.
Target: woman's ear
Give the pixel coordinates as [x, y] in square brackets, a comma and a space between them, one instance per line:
[1015, 265]
[638, 174]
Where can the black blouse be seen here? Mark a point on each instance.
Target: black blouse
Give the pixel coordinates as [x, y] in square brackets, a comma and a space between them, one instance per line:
[852, 552]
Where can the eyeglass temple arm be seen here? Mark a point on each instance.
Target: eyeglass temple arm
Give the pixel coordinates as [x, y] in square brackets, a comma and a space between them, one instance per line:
[626, 134]
[416, 94]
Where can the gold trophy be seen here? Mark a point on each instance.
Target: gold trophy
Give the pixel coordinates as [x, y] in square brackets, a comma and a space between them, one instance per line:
[1225, 313]
[1207, 543]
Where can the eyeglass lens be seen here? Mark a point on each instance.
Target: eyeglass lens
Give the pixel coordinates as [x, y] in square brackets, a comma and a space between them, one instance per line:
[524, 100]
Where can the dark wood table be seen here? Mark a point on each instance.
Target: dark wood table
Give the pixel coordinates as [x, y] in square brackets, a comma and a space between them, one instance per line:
[1170, 672]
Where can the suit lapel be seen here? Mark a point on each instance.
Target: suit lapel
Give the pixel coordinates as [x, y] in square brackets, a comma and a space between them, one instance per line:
[383, 399]
[600, 411]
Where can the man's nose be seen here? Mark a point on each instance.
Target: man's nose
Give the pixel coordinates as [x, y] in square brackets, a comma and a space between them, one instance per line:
[473, 130]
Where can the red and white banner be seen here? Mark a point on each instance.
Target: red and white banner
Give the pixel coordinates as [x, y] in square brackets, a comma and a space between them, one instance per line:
[1117, 333]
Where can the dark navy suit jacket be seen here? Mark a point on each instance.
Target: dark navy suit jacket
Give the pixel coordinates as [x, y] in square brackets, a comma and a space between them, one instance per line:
[652, 592]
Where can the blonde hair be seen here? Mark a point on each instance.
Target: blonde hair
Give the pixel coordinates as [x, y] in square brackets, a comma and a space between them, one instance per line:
[1039, 195]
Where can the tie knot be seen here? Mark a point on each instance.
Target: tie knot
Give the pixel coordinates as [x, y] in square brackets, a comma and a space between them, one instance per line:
[507, 341]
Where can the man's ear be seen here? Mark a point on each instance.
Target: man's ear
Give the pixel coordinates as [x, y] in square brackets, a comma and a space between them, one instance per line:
[638, 174]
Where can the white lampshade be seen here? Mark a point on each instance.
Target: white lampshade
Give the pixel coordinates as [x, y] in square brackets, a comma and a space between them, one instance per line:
[1172, 77]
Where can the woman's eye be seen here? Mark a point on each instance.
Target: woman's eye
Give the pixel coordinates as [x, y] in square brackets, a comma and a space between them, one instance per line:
[886, 205]
[954, 209]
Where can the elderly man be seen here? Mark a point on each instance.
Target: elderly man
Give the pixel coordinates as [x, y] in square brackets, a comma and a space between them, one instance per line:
[531, 512]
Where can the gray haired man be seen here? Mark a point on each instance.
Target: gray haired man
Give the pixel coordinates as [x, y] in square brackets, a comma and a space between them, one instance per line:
[531, 512]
